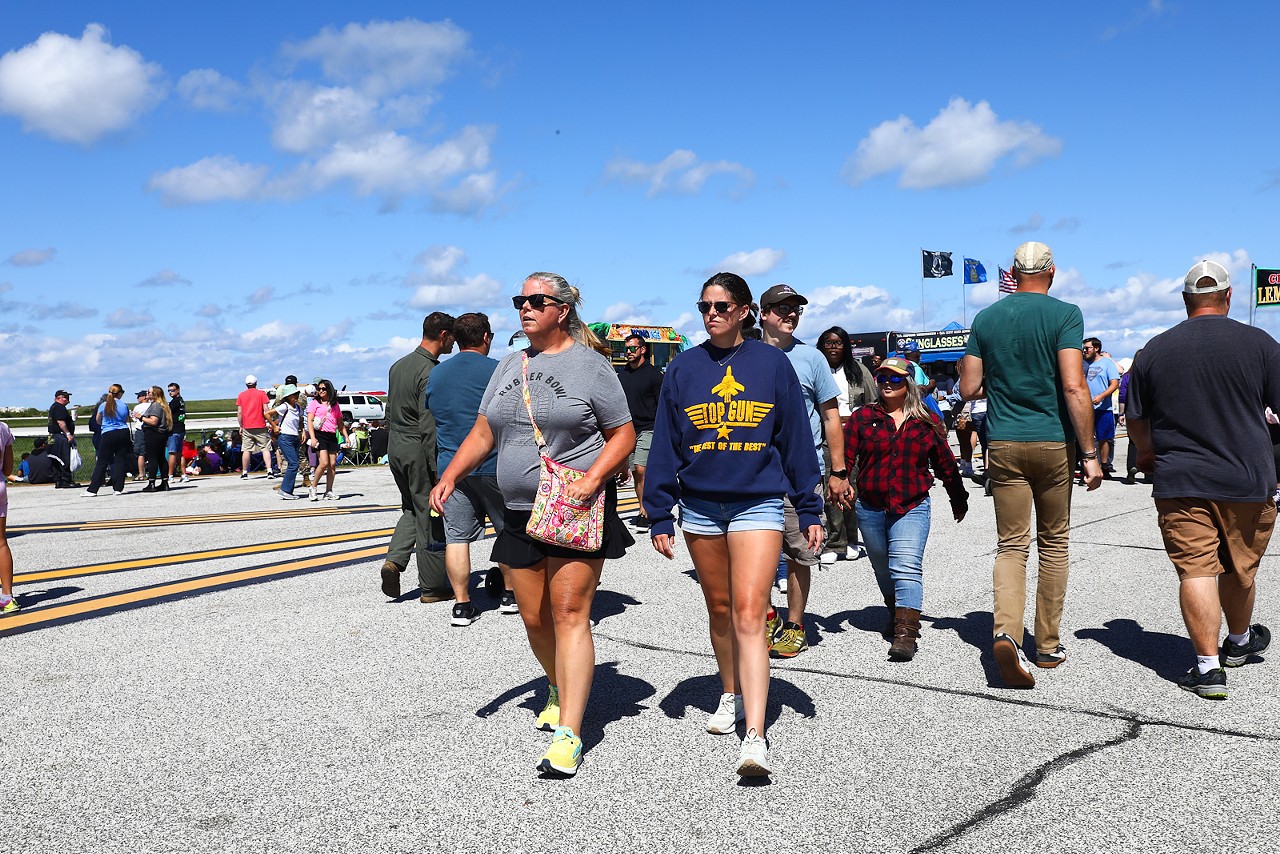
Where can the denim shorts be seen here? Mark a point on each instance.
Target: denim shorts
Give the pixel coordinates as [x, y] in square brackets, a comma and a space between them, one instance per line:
[711, 518]
[174, 443]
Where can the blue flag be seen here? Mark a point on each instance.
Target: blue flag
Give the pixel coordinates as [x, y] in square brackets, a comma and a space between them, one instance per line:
[974, 272]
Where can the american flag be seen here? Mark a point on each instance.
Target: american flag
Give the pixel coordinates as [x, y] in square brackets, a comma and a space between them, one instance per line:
[1007, 283]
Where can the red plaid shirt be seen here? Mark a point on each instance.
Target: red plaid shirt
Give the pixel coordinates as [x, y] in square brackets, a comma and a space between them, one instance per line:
[893, 464]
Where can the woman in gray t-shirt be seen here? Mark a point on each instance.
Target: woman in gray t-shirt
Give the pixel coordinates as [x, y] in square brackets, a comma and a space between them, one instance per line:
[582, 412]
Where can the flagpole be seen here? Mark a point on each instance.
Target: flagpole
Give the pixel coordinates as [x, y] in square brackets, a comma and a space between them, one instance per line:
[1253, 292]
[923, 325]
[964, 297]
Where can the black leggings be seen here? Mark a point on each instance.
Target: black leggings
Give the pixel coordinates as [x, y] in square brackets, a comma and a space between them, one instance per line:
[114, 450]
[154, 443]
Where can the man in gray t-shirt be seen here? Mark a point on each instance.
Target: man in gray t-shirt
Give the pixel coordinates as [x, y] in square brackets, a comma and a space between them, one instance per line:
[1195, 411]
[574, 394]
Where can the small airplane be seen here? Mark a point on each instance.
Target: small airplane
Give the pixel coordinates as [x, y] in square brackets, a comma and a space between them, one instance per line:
[728, 387]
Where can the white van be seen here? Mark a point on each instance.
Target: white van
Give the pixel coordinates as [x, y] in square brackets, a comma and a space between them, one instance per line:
[355, 406]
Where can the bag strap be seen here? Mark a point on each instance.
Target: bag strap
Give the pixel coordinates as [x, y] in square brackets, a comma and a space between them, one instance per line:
[528, 407]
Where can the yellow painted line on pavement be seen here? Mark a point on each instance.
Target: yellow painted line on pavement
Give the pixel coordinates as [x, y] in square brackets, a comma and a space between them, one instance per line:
[247, 516]
[192, 557]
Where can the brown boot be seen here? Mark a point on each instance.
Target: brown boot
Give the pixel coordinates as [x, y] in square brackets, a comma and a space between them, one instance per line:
[906, 628]
[391, 579]
[887, 631]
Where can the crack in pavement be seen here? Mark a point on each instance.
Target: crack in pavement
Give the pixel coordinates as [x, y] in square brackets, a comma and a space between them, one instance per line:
[1024, 790]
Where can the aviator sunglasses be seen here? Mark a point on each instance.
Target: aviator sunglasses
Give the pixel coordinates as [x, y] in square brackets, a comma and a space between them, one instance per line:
[885, 379]
[536, 301]
[720, 306]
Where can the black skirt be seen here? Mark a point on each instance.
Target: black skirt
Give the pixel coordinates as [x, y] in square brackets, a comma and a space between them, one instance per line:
[514, 547]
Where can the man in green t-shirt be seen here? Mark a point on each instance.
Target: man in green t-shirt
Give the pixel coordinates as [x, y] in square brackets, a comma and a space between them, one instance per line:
[1024, 357]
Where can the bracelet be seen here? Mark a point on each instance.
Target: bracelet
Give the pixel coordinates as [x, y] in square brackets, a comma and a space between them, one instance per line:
[1089, 455]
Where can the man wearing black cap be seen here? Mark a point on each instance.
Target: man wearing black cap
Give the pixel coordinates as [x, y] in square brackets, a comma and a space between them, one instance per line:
[62, 428]
[1023, 356]
[135, 424]
[1196, 398]
[780, 310]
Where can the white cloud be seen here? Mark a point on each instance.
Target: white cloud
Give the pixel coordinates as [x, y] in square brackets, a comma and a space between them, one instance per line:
[384, 57]
[207, 89]
[757, 262]
[164, 279]
[960, 146]
[625, 312]
[680, 172]
[213, 179]
[124, 318]
[261, 296]
[1031, 223]
[60, 311]
[77, 90]
[439, 284]
[396, 165]
[32, 257]
[209, 309]
[310, 118]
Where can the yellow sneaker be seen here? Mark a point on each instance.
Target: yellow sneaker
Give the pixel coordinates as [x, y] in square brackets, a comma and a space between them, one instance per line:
[790, 643]
[549, 717]
[10, 607]
[771, 626]
[565, 753]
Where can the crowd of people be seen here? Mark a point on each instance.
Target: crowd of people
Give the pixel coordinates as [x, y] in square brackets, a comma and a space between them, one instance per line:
[765, 450]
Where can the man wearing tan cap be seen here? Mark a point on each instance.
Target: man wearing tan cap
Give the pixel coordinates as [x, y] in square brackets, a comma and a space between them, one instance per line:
[1024, 357]
[1196, 399]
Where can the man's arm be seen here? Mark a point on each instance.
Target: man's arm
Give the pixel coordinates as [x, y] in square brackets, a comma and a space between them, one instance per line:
[1075, 388]
[971, 379]
[837, 487]
[240, 416]
[1111, 389]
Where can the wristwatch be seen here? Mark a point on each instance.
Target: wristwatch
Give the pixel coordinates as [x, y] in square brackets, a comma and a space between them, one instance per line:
[1089, 455]
[842, 473]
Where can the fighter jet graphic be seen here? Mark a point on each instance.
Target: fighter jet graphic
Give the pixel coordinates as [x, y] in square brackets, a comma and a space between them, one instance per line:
[728, 387]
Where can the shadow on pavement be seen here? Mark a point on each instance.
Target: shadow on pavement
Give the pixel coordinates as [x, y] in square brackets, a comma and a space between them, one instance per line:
[1164, 654]
[974, 628]
[608, 603]
[870, 618]
[702, 693]
[34, 597]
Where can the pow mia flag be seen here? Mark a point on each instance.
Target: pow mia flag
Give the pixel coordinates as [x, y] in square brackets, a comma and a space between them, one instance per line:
[936, 264]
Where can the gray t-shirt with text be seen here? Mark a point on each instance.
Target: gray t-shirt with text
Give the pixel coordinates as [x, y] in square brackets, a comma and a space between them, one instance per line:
[574, 395]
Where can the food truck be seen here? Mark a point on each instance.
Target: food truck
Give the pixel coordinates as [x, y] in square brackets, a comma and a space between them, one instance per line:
[664, 341]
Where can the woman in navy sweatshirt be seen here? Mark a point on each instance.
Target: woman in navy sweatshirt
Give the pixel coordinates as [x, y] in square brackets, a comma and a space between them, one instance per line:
[730, 439]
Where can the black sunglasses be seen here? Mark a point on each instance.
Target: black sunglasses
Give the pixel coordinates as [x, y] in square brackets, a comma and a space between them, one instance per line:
[633, 349]
[782, 309]
[536, 301]
[884, 379]
[720, 306]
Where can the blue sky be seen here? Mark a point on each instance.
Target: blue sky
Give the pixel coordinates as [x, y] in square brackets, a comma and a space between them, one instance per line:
[288, 188]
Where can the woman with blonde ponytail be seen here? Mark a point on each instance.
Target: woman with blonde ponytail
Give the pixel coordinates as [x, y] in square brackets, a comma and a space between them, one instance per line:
[575, 399]
[114, 444]
[157, 422]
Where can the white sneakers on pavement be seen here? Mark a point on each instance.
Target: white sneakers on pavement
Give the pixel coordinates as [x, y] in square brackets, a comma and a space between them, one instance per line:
[726, 716]
[753, 761]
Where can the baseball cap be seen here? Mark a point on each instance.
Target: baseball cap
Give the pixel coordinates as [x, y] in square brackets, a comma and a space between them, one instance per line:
[898, 366]
[909, 347]
[251, 380]
[1032, 257]
[143, 393]
[778, 293]
[1206, 270]
[60, 392]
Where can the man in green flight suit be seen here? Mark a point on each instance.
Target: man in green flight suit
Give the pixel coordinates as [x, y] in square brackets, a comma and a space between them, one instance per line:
[411, 449]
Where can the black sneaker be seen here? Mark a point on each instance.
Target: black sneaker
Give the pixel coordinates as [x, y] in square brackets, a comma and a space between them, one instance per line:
[244, 475]
[1211, 685]
[508, 605]
[150, 487]
[641, 522]
[464, 614]
[1235, 654]
[1051, 659]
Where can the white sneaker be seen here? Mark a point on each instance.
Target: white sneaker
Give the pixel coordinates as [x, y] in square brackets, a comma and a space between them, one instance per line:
[331, 496]
[184, 479]
[782, 584]
[828, 558]
[729, 712]
[855, 553]
[311, 493]
[753, 761]
[88, 494]
[287, 496]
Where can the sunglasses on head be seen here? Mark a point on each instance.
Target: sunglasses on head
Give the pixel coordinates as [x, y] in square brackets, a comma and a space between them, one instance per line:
[887, 379]
[720, 306]
[536, 301]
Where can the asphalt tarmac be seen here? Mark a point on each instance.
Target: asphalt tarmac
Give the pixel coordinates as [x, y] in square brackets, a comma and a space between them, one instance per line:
[215, 670]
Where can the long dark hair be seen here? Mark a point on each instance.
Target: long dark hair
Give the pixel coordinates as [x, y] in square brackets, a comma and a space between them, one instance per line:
[741, 293]
[846, 358]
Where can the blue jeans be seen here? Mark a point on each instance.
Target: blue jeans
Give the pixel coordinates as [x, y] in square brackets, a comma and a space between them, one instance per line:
[895, 546]
[289, 447]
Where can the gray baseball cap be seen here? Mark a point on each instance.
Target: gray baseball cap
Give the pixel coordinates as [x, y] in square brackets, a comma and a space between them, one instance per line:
[1032, 257]
[1206, 270]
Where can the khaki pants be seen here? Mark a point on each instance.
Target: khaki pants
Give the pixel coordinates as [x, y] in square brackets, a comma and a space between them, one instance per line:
[1023, 475]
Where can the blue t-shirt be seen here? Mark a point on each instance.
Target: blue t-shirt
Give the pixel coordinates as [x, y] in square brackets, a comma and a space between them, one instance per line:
[1100, 374]
[816, 383]
[453, 395]
[119, 422]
